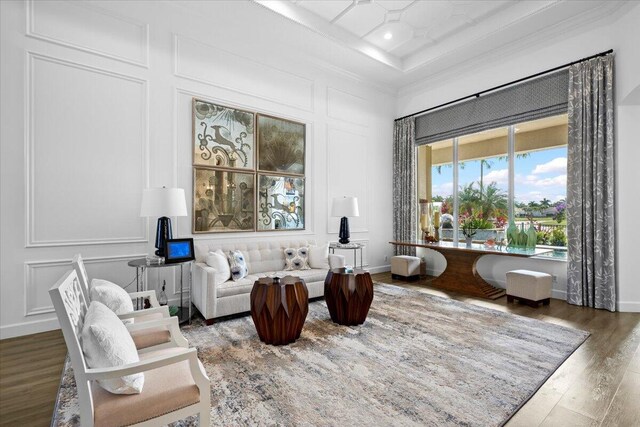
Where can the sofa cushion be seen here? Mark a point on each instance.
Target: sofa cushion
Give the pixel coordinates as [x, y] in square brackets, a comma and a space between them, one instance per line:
[319, 256]
[237, 265]
[245, 285]
[242, 286]
[296, 259]
[261, 257]
[218, 261]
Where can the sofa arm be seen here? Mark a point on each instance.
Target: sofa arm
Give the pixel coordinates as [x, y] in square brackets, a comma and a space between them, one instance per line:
[204, 290]
[336, 261]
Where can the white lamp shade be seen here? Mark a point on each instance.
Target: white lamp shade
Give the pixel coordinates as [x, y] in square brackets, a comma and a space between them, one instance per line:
[163, 202]
[345, 206]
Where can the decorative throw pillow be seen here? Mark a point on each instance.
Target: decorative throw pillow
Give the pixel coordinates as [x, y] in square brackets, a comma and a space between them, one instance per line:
[237, 265]
[218, 261]
[111, 295]
[106, 343]
[319, 257]
[296, 259]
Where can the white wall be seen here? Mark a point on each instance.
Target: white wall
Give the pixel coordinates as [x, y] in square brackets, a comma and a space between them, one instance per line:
[96, 105]
[623, 36]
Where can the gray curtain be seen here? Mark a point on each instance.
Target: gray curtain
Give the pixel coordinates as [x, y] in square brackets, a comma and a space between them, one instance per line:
[404, 185]
[591, 273]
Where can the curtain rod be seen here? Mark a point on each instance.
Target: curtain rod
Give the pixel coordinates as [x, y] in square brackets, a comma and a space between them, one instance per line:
[477, 95]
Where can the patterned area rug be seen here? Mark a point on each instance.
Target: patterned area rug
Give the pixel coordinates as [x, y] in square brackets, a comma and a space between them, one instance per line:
[417, 360]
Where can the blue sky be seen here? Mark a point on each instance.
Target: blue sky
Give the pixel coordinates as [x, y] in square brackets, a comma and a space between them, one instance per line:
[543, 174]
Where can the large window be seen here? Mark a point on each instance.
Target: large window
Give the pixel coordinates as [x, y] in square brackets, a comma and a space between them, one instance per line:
[516, 172]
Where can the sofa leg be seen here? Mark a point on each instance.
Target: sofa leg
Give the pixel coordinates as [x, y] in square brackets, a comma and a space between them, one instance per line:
[209, 322]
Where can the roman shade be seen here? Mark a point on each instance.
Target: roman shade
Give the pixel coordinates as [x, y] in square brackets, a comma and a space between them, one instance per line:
[530, 100]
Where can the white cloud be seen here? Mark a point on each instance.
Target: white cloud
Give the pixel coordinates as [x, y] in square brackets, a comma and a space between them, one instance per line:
[499, 176]
[559, 164]
[444, 189]
[535, 181]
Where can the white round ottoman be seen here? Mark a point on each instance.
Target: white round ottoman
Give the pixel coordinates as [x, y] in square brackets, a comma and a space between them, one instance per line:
[530, 287]
[405, 267]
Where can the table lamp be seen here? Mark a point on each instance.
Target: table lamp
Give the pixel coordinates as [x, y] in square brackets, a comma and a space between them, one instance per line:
[163, 203]
[344, 207]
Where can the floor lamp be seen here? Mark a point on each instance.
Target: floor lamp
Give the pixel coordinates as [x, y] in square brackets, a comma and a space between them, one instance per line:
[345, 207]
[163, 203]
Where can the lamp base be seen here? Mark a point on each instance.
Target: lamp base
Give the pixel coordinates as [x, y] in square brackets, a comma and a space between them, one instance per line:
[344, 231]
[163, 233]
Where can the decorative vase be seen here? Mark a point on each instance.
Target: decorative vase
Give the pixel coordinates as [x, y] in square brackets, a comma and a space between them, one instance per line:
[532, 237]
[162, 298]
[512, 234]
[468, 240]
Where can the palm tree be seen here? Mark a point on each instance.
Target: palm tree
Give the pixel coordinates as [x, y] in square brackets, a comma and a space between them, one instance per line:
[483, 163]
[493, 202]
[469, 198]
[545, 203]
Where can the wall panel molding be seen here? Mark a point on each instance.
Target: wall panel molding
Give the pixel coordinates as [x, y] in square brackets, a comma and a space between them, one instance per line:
[95, 15]
[340, 161]
[31, 288]
[347, 107]
[32, 58]
[283, 87]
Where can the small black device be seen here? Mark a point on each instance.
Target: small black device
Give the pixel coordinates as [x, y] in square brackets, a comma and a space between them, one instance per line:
[179, 250]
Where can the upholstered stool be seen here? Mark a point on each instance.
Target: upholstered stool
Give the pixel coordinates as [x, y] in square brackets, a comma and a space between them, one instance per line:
[405, 267]
[530, 287]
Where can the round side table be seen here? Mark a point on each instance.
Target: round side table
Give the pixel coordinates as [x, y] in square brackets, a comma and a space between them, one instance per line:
[279, 307]
[141, 266]
[348, 295]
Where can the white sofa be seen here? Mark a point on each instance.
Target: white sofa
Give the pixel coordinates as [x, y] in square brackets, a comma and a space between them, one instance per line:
[263, 259]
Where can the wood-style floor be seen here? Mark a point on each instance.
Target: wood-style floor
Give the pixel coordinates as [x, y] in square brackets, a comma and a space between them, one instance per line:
[598, 385]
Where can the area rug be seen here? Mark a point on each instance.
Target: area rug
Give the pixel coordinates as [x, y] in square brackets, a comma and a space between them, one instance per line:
[417, 360]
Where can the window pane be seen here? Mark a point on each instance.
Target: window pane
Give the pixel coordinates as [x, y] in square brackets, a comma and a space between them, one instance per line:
[483, 178]
[441, 184]
[541, 178]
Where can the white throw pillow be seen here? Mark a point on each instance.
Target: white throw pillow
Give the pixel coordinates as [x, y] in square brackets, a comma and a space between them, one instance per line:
[319, 257]
[296, 259]
[219, 262]
[111, 295]
[106, 343]
[237, 265]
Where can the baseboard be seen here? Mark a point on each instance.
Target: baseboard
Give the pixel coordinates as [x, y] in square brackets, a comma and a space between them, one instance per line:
[379, 269]
[28, 328]
[629, 306]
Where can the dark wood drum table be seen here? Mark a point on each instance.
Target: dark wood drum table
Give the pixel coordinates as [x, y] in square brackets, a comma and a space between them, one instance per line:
[348, 295]
[279, 307]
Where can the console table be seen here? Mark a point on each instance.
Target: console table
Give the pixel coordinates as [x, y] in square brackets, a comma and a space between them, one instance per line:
[460, 274]
[140, 264]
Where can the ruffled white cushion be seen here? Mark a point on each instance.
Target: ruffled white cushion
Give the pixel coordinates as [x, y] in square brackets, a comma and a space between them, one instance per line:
[111, 295]
[106, 343]
[218, 261]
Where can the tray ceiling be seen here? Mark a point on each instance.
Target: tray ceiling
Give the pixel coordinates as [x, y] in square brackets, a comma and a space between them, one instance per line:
[407, 35]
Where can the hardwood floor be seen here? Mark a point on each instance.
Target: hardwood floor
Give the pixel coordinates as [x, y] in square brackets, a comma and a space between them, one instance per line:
[30, 369]
[598, 385]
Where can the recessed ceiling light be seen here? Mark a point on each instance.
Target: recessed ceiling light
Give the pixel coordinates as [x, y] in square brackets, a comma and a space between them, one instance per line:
[388, 35]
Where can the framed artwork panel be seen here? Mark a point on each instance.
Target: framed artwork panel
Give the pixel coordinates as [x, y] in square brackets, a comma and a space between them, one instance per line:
[281, 145]
[222, 136]
[280, 202]
[223, 200]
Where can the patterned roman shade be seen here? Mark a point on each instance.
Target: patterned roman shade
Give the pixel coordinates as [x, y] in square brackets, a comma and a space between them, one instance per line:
[530, 100]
